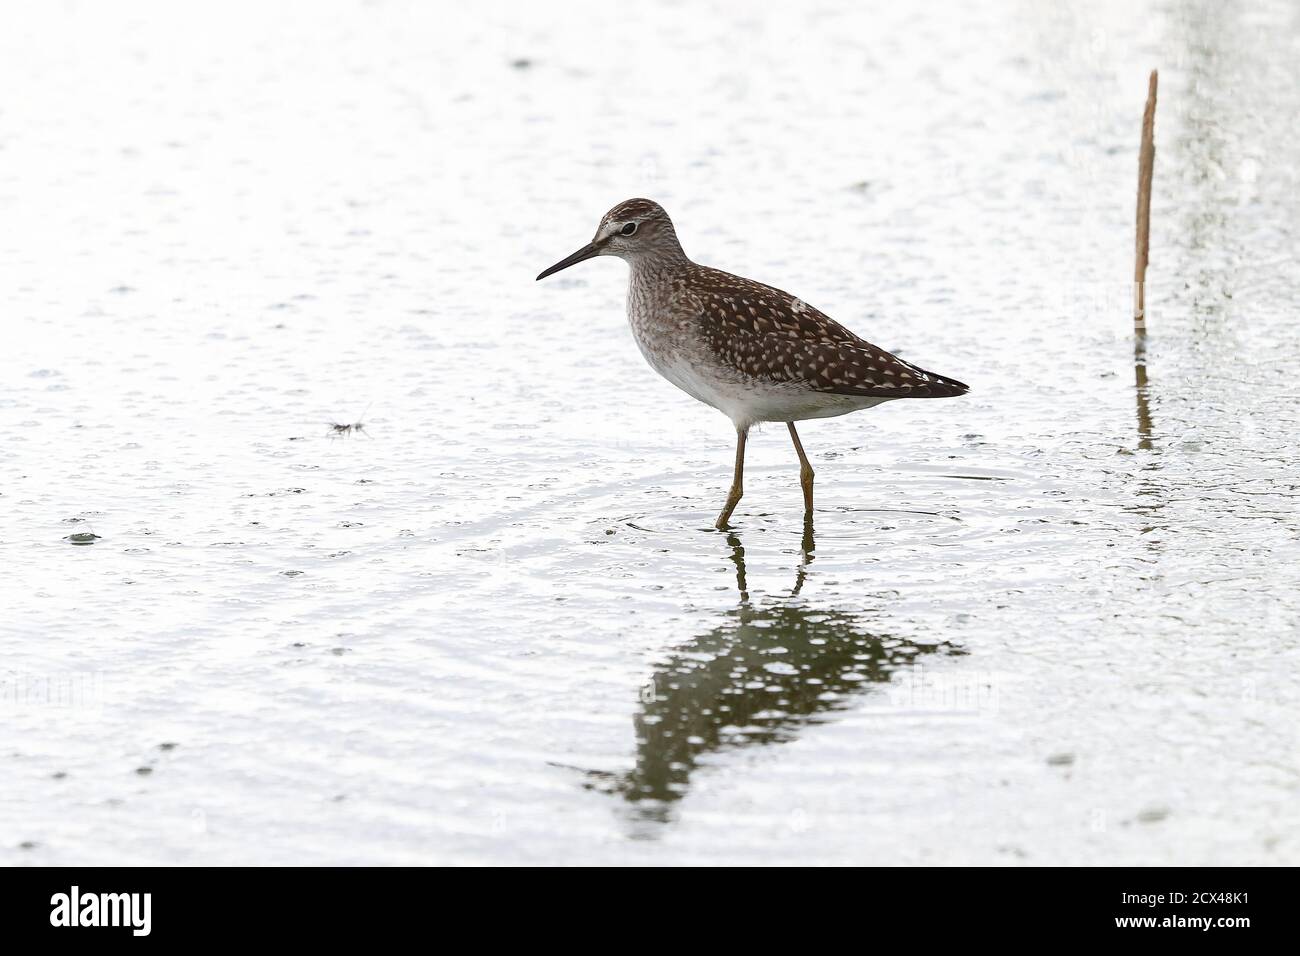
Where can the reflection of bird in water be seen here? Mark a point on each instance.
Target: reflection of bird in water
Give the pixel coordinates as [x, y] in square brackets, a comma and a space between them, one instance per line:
[760, 675]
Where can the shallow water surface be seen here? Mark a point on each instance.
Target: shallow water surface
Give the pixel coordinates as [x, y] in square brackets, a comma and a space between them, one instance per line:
[1054, 621]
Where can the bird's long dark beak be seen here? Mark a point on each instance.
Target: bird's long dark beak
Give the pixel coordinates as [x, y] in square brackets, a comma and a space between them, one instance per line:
[586, 252]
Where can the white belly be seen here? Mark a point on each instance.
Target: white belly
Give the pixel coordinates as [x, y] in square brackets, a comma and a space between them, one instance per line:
[748, 401]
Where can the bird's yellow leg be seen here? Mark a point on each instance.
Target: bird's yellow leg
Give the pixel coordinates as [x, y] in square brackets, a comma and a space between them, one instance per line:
[737, 489]
[805, 471]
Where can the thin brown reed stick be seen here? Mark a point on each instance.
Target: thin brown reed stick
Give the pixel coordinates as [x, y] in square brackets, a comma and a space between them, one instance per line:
[1146, 165]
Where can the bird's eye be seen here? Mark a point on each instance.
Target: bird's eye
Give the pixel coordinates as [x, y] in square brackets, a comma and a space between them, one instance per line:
[628, 229]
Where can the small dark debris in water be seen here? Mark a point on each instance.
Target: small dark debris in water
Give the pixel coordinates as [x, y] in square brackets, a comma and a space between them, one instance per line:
[340, 651]
[82, 537]
[298, 438]
[343, 431]
[168, 745]
[339, 797]
[1152, 814]
[1060, 760]
[291, 574]
[350, 524]
[299, 644]
[59, 775]
[28, 845]
[338, 430]
[521, 63]
[143, 771]
[73, 520]
[861, 186]
[121, 289]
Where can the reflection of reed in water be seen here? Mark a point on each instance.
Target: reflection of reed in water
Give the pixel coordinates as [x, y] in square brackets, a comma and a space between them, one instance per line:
[760, 675]
[1140, 388]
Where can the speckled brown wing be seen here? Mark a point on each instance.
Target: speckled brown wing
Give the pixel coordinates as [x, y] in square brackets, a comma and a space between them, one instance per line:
[769, 335]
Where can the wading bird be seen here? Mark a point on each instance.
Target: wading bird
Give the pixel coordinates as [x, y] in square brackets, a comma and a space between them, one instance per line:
[753, 352]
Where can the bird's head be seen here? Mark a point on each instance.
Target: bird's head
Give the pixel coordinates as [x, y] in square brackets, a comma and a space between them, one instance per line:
[632, 230]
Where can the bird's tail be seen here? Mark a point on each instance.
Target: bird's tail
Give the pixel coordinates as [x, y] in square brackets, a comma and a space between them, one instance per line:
[941, 386]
